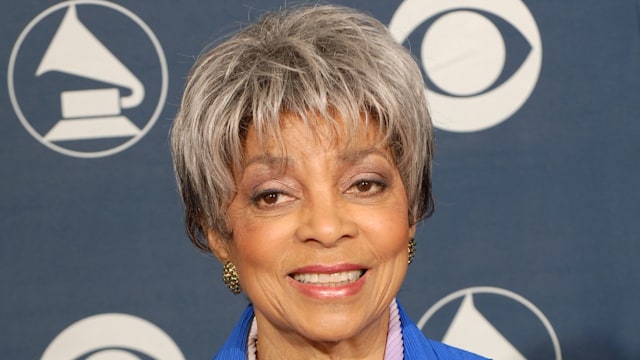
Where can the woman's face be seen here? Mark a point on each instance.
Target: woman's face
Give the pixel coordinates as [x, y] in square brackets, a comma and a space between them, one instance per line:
[319, 240]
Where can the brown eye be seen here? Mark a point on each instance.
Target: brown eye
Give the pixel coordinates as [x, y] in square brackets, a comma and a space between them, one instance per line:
[364, 186]
[270, 198]
[367, 187]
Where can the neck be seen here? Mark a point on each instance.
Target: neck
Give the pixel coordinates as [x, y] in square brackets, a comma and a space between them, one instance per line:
[368, 343]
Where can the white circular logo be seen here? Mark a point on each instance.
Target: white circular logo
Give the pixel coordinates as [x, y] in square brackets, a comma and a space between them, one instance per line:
[492, 322]
[481, 59]
[78, 89]
[112, 336]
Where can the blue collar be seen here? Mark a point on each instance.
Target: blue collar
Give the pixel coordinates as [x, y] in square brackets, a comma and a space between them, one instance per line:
[416, 346]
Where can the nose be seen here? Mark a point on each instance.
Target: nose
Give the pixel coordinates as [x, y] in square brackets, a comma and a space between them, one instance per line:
[326, 220]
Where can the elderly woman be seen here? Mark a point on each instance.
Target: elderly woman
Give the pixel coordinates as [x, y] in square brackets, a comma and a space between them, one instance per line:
[303, 148]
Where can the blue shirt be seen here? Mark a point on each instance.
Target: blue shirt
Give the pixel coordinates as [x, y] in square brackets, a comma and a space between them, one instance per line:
[416, 345]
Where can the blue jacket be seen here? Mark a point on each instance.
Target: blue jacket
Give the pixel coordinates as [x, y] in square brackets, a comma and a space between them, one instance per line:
[416, 346]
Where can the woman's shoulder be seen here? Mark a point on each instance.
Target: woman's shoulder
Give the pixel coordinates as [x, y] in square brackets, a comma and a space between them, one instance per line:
[236, 345]
[444, 351]
[417, 346]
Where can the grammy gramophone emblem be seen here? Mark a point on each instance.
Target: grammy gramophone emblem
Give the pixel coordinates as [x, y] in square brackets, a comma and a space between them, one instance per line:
[94, 99]
[492, 322]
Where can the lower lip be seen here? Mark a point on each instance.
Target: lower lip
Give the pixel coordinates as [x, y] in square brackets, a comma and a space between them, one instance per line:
[329, 292]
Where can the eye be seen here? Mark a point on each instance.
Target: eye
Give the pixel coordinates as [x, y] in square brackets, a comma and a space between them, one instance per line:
[270, 197]
[364, 186]
[367, 187]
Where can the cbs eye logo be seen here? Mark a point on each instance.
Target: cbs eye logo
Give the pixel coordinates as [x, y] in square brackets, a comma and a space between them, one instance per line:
[87, 78]
[112, 336]
[480, 59]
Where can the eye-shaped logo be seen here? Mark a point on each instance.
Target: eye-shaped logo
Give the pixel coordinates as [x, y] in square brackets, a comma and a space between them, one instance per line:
[112, 336]
[492, 322]
[87, 78]
[481, 59]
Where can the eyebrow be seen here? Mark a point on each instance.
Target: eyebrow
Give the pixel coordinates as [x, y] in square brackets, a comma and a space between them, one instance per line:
[355, 156]
[268, 160]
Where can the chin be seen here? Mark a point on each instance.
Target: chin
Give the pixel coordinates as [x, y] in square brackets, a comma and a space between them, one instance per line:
[333, 328]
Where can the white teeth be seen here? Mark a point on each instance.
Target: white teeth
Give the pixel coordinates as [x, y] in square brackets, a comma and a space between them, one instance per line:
[335, 279]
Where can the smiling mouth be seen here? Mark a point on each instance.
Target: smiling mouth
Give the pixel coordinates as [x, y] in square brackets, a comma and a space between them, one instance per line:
[330, 280]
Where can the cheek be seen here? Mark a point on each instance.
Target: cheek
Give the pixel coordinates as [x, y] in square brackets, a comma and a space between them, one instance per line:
[260, 243]
[388, 231]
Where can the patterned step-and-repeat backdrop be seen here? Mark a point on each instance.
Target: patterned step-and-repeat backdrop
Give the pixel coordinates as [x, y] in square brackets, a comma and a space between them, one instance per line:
[532, 252]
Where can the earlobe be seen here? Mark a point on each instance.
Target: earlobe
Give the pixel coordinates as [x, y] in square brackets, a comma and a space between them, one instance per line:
[218, 246]
[412, 231]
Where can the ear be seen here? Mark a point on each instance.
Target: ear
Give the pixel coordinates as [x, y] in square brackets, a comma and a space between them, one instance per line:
[219, 246]
[412, 231]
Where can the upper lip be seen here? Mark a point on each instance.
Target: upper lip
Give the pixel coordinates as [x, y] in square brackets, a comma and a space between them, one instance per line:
[327, 269]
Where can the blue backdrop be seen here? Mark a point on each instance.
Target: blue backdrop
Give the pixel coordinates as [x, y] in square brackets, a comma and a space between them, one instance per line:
[533, 248]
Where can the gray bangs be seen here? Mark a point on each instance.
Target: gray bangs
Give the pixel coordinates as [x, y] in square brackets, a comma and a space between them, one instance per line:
[339, 71]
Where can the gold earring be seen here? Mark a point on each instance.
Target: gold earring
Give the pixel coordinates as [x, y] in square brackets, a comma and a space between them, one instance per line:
[412, 249]
[230, 278]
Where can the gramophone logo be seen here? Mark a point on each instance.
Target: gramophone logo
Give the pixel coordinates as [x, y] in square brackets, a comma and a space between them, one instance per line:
[87, 78]
[492, 322]
[480, 58]
[112, 336]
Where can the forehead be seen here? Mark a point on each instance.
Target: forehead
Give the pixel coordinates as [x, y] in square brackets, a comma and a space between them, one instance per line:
[313, 133]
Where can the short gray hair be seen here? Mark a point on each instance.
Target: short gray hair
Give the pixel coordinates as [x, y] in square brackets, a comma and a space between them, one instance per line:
[325, 60]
